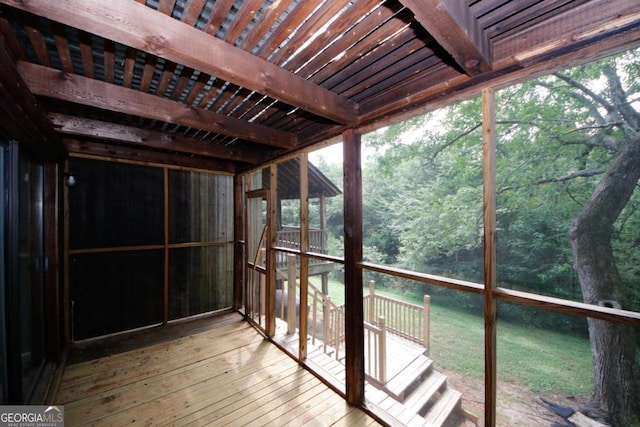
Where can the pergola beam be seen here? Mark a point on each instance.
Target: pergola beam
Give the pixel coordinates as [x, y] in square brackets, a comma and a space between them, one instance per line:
[74, 88]
[79, 126]
[452, 24]
[143, 28]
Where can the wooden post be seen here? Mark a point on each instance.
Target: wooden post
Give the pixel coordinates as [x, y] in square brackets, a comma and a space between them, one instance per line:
[326, 315]
[372, 301]
[270, 262]
[426, 313]
[238, 246]
[354, 312]
[304, 261]
[291, 294]
[490, 309]
[382, 349]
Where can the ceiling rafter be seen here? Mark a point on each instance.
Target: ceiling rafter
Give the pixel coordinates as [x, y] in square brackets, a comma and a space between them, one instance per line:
[452, 24]
[78, 126]
[141, 27]
[69, 87]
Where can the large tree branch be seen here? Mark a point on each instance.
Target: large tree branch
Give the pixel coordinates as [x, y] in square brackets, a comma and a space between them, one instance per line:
[620, 97]
[588, 92]
[565, 178]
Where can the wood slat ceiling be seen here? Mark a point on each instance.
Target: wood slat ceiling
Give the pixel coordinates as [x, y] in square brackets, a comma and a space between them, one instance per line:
[242, 82]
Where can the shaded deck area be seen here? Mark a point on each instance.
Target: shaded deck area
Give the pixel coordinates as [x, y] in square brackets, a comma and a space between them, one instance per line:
[215, 371]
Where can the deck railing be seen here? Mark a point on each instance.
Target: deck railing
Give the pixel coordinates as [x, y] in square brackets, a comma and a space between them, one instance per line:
[404, 319]
[289, 237]
[382, 315]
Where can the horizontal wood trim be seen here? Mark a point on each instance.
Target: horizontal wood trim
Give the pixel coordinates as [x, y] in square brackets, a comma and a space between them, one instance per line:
[106, 151]
[519, 297]
[569, 307]
[147, 247]
[314, 255]
[143, 28]
[143, 138]
[82, 90]
[115, 249]
[430, 279]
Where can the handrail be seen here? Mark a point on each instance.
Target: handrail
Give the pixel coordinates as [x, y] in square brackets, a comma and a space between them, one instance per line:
[404, 319]
[376, 350]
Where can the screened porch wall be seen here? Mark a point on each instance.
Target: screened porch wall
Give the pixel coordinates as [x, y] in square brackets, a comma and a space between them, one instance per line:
[140, 257]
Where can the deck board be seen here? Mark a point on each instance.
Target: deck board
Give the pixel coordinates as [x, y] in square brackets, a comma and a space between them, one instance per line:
[219, 371]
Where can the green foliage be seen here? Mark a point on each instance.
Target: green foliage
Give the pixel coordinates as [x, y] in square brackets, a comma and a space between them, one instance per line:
[422, 191]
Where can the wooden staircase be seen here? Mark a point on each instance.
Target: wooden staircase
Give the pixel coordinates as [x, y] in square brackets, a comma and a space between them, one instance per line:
[418, 395]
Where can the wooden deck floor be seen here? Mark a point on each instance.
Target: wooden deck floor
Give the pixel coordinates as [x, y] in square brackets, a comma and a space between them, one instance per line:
[218, 371]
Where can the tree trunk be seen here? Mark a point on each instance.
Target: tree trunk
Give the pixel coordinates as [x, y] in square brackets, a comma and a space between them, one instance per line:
[613, 345]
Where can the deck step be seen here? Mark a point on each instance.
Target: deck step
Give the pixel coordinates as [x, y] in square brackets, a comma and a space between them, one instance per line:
[449, 401]
[398, 385]
[425, 392]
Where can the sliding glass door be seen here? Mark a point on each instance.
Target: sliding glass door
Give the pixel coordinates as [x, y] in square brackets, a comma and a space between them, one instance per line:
[23, 264]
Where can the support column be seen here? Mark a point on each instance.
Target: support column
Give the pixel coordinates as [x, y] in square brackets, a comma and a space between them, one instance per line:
[490, 312]
[304, 261]
[238, 246]
[354, 311]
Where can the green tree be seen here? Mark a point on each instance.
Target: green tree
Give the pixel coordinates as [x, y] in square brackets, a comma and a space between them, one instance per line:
[568, 163]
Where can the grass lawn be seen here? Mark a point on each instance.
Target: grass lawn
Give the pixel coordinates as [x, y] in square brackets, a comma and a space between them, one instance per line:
[544, 361]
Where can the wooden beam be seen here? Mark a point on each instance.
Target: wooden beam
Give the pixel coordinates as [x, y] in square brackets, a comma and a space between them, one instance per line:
[71, 125]
[74, 88]
[454, 27]
[141, 27]
[490, 276]
[24, 112]
[272, 236]
[239, 241]
[304, 261]
[354, 313]
[145, 156]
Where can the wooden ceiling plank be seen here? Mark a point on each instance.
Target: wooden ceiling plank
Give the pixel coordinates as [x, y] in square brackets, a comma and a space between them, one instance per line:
[528, 17]
[167, 76]
[213, 93]
[126, 153]
[129, 66]
[192, 11]
[386, 68]
[366, 35]
[311, 26]
[197, 88]
[292, 21]
[11, 41]
[37, 41]
[86, 52]
[454, 27]
[60, 39]
[361, 62]
[166, 6]
[138, 26]
[109, 61]
[327, 46]
[219, 13]
[574, 25]
[147, 74]
[182, 83]
[242, 20]
[55, 84]
[70, 125]
[264, 24]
